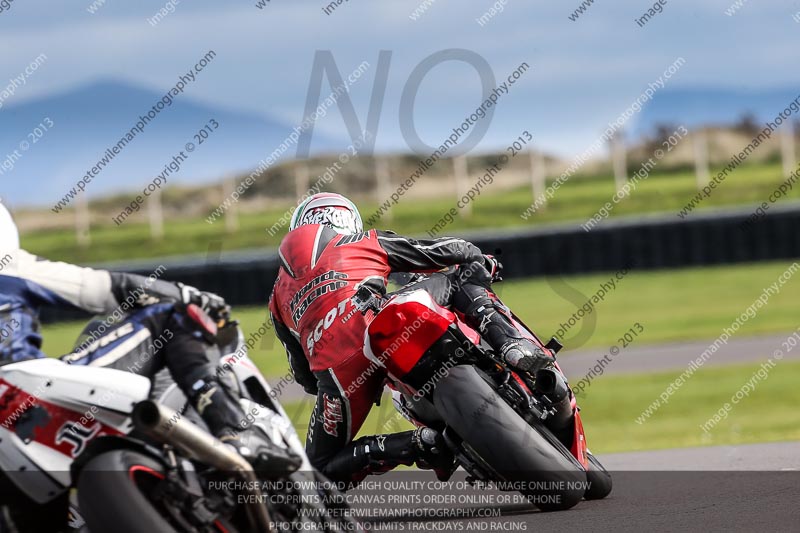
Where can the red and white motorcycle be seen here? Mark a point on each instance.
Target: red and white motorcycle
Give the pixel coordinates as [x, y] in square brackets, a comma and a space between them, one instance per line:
[515, 429]
[137, 464]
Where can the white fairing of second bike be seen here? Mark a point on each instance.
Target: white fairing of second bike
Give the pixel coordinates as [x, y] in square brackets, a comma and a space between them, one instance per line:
[27, 475]
[97, 396]
[78, 388]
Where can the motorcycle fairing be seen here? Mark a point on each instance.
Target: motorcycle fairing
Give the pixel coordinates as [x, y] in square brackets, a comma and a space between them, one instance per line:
[49, 412]
[578, 448]
[410, 308]
[407, 326]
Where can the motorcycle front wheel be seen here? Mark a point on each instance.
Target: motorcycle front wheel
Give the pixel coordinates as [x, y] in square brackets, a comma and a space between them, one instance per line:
[116, 493]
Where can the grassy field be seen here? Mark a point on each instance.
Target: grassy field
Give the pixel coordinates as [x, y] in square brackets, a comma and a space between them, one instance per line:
[577, 200]
[768, 413]
[670, 305]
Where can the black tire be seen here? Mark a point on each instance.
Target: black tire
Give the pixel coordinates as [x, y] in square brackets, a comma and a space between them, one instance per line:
[110, 501]
[516, 451]
[599, 480]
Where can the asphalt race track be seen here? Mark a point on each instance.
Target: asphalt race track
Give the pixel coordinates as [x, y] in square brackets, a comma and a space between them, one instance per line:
[743, 498]
[781, 456]
[674, 356]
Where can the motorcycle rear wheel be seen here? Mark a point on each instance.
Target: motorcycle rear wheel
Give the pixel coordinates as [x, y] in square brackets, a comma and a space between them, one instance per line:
[528, 456]
[599, 480]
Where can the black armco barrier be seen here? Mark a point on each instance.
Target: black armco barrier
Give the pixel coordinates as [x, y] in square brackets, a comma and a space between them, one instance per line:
[654, 242]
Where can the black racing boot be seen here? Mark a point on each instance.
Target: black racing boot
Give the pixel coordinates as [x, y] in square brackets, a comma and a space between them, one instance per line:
[434, 453]
[378, 454]
[227, 421]
[484, 312]
[524, 355]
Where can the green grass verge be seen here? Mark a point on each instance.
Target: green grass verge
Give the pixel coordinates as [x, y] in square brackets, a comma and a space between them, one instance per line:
[609, 412]
[671, 305]
[769, 413]
[576, 200]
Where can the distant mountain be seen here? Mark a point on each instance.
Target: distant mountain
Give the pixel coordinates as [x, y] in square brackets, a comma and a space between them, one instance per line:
[702, 107]
[89, 119]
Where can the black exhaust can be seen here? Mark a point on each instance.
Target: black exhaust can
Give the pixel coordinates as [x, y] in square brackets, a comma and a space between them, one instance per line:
[551, 385]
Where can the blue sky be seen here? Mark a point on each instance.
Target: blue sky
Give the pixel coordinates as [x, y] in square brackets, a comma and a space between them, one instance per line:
[584, 73]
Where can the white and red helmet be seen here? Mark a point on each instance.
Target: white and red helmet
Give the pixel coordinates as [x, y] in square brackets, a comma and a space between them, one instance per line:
[9, 235]
[329, 209]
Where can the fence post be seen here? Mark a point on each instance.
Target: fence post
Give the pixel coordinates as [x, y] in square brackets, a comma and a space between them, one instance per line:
[156, 215]
[231, 213]
[383, 184]
[787, 149]
[301, 180]
[461, 176]
[538, 177]
[82, 221]
[618, 161]
[700, 145]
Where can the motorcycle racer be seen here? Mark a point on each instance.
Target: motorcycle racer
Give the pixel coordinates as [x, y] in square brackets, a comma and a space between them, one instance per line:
[28, 283]
[325, 258]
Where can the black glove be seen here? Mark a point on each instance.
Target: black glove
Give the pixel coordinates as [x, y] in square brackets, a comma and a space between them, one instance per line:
[211, 303]
[494, 267]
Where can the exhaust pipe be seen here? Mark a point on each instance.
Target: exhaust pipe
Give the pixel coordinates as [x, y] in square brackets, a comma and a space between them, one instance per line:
[551, 384]
[166, 426]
